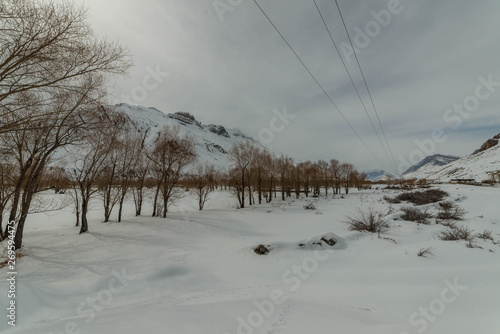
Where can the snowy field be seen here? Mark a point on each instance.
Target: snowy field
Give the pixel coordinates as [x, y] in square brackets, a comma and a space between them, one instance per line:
[196, 273]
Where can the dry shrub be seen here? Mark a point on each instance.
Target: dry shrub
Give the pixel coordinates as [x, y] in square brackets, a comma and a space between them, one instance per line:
[425, 251]
[450, 211]
[369, 221]
[416, 215]
[457, 233]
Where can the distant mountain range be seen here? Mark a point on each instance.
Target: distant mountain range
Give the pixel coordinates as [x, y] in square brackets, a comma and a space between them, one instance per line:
[212, 142]
[478, 165]
[431, 162]
[379, 175]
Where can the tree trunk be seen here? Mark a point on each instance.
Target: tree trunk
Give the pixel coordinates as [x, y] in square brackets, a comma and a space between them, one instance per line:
[138, 202]
[18, 239]
[84, 226]
[165, 203]
[77, 210]
[155, 202]
[120, 209]
[271, 190]
[249, 194]
[242, 189]
[107, 213]
[259, 188]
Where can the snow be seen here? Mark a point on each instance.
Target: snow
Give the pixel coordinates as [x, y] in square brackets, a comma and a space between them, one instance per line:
[431, 162]
[211, 147]
[474, 166]
[379, 175]
[196, 272]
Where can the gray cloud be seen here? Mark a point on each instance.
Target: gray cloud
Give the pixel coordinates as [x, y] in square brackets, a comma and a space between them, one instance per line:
[234, 72]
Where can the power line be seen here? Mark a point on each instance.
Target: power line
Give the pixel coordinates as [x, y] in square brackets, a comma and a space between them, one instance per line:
[366, 85]
[350, 77]
[316, 80]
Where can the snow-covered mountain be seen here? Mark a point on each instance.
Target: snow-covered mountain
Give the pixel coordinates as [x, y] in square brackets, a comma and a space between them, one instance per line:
[478, 166]
[379, 175]
[430, 163]
[212, 142]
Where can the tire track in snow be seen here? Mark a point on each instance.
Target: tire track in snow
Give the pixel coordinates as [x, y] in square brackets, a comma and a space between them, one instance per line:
[221, 295]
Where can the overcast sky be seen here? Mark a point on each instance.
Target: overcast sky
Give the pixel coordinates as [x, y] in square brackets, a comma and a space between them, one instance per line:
[236, 71]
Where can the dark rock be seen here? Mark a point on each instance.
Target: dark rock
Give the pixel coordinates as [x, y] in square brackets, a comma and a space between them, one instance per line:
[329, 242]
[489, 144]
[218, 130]
[261, 250]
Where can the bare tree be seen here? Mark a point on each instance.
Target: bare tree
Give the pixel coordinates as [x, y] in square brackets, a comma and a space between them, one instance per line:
[270, 163]
[108, 177]
[346, 171]
[132, 147]
[260, 170]
[200, 184]
[241, 156]
[324, 172]
[305, 169]
[336, 175]
[169, 156]
[298, 178]
[48, 46]
[88, 163]
[140, 174]
[316, 179]
[284, 165]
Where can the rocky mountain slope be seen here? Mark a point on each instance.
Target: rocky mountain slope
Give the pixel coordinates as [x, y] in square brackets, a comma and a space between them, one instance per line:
[479, 166]
[212, 142]
[379, 175]
[431, 162]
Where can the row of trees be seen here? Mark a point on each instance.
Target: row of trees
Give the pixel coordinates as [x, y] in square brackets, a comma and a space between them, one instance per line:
[258, 172]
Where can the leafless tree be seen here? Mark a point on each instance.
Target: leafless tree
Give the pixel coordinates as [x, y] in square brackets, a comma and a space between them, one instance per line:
[346, 171]
[324, 173]
[270, 163]
[48, 48]
[87, 164]
[200, 184]
[284, 165]
[259, 168]
[169, 156]
[132, 149]
[241, 156]
[141, 172]
[108, 177]
[305, 169]
[336, 175]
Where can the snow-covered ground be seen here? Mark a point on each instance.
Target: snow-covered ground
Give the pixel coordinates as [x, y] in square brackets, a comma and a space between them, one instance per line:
[474, 166]
[196, 272]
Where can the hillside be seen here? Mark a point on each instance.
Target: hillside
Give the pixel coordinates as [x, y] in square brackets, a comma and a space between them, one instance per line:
[212, 142]
[478, 166]
[430, 163]
[379, 175]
